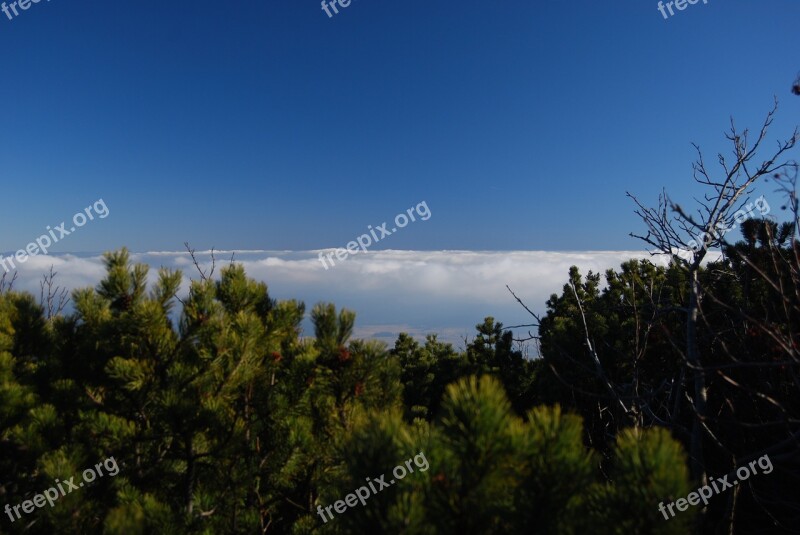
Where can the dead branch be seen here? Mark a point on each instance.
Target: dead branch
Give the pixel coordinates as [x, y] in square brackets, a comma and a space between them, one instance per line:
[55, 298]
[7, 286]
[200, 270]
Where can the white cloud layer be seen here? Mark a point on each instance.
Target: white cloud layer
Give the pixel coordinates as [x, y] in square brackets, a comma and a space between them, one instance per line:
[446, 292]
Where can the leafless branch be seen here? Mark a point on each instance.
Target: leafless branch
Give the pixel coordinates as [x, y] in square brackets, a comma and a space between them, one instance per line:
[7, 286]
[203, 275]
[55, 298]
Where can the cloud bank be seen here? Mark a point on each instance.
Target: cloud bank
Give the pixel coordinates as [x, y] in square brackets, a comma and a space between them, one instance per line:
[420, 292]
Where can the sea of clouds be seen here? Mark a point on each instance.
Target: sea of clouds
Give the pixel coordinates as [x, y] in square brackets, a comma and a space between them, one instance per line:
[419, 292]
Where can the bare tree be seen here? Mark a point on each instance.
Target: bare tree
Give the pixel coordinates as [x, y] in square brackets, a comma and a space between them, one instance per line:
[671, 230]
[753, 391]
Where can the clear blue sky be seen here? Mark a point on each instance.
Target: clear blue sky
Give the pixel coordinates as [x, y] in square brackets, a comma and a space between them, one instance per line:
[266, 125]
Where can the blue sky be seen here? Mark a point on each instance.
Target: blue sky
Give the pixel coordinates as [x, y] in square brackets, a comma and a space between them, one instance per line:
[267, 125]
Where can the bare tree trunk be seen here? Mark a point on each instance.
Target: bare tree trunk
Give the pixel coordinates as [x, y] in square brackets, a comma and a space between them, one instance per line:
[670, 232]
[700, 393]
